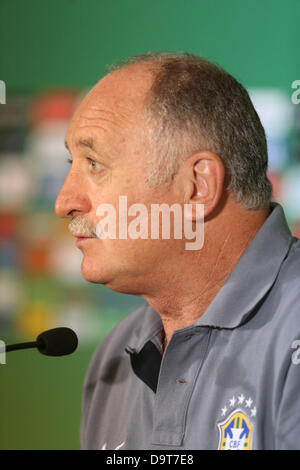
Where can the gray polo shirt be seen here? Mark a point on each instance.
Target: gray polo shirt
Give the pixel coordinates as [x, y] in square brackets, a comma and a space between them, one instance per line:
[231, 380]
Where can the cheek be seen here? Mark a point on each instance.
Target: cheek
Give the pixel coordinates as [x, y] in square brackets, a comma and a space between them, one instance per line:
[104, 254]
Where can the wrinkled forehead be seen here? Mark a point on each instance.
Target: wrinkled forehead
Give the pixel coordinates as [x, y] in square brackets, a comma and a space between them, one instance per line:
[117, 101]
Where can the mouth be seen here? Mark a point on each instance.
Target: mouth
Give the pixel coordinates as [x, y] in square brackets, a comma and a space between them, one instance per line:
[81, 239]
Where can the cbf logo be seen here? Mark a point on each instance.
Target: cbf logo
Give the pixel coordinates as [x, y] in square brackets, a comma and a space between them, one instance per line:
[235, 431]
[2, 92]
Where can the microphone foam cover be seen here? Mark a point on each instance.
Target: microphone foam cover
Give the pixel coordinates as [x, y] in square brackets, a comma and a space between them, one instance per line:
[57, 341]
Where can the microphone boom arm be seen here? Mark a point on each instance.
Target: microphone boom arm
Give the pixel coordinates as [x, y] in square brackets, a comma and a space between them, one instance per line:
[14, 347]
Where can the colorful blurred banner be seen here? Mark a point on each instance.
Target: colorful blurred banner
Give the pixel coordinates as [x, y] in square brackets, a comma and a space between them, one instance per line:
[41, 282]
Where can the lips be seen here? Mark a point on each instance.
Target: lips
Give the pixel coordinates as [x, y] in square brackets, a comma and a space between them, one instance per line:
[81, 240]
[82, 236]
[79, 235]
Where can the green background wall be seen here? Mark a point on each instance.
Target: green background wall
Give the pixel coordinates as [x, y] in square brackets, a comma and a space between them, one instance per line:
[69, 42]
[48, 43]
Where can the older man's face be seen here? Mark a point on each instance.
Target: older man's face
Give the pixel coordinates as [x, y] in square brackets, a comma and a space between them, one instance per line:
[107, 141]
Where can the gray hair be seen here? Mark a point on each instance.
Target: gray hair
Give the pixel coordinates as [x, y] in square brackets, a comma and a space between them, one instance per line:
[195, 105]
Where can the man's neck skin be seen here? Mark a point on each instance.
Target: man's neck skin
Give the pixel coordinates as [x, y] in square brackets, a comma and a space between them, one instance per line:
[188, 284]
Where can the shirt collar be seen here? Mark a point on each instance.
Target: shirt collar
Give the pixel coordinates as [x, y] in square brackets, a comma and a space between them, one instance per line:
[253, 275]
[249, 281]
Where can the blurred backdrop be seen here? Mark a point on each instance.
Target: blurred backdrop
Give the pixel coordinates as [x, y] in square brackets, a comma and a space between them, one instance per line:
[51, 53]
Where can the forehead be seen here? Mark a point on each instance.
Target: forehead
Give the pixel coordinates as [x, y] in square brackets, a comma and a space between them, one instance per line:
[112, 106]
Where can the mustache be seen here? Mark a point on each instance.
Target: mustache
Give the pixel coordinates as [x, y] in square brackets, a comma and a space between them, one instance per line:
[80, 226]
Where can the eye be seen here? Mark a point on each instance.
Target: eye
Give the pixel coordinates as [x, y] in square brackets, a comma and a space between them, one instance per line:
[95, 166]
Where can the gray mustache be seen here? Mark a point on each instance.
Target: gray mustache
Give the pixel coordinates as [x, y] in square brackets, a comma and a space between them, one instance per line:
[79, 225]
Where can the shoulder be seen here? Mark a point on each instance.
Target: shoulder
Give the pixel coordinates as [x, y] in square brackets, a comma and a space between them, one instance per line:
[282, 323]
[291, 265]
[287, 287]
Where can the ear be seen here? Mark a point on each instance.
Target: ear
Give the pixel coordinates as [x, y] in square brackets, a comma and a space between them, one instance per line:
[204, 176]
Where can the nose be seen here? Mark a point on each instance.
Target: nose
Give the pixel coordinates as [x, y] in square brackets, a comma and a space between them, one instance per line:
[72, 199]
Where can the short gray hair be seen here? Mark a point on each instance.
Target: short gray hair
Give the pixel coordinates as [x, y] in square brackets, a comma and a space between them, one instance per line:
[195, 105]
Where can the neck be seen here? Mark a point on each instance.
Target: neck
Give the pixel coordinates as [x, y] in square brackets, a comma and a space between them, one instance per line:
[184, 289]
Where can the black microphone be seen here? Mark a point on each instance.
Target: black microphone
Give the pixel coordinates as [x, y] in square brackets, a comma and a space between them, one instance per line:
[55, 342]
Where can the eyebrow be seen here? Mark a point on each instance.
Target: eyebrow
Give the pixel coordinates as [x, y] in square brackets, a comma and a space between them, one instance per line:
[89, 143]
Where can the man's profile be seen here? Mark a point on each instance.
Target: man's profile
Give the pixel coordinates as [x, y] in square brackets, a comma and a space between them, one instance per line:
[207, 362]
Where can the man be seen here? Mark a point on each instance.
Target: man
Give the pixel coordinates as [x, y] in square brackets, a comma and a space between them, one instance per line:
[211, 361]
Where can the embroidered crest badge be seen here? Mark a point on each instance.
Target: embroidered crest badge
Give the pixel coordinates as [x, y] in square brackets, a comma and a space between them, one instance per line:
[235, 432]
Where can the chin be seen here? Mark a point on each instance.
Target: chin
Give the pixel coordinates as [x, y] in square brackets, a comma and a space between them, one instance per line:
[115, 280]
[94, 274]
